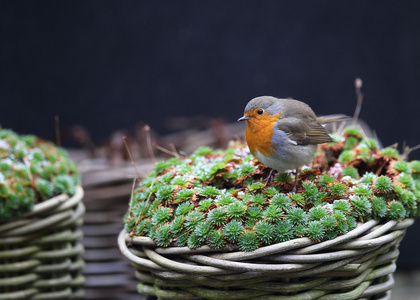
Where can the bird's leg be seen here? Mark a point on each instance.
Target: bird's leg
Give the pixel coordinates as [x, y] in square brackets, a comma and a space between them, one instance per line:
[296, 179]
[270, 176]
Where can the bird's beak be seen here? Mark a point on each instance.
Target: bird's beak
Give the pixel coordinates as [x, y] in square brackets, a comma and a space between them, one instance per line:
[244, 118]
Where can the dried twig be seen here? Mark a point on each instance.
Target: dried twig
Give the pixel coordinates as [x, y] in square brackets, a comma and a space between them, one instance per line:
[408, 150]
[149, 142]
[358, 85]
[57, 130]
[131, 158]
[164, 150]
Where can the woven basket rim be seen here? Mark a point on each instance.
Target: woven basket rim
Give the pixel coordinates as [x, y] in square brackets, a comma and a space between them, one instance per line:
[57, 207]
[232, 252]
[291, 256]
[346, 267]
[47, 205]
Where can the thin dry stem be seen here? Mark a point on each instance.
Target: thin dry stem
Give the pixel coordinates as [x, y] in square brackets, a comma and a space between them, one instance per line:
[172, 146]
[149, 142]
[170, 152]
[358, 85]
[132, 192]
[57, 130]
[131, 158]
[408, 150]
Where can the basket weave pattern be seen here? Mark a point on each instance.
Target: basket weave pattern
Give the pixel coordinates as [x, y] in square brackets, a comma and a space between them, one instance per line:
[357, 265]
[40, 252]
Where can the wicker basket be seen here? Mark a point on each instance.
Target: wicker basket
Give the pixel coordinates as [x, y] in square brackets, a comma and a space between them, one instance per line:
[357, 265]
[107, 271]
[40, 252]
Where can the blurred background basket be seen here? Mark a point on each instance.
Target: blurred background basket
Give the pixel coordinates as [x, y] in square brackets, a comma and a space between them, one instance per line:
[357, 265]
[107, 189]
[40, 253]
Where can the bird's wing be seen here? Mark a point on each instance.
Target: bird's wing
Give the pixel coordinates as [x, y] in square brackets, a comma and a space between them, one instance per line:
[303, 133]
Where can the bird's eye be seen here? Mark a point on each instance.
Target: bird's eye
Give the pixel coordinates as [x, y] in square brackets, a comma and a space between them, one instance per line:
[260, 112]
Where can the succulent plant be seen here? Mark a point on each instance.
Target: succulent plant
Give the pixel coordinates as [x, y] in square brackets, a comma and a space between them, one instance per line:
[32, 170]
[224, 197]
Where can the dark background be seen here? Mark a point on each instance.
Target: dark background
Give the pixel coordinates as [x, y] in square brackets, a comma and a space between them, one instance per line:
[108, 65]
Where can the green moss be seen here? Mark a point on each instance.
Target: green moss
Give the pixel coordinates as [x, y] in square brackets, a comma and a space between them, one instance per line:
[368, 178]
[401, 166]
[383, 184]
[254, 213]
[273, 214]
[351, 171]
[202, 151]
[183, 195]
[406, 180]
[351, 142]
[236, 210]
[362, 205]
[209, 191]
[233, 230]
[256, 186]
[161, 215]
[166, 178]
[390, 152]
[342, 205]
[353, 131]
[338, 189]
[216, 239]
[64, 184]
[184, 208]
[315, 230]
[194, 241]
[177, 224]
[371, 143]
[204, 205]
[45, 188]
[165, 193]
[32, 171]
[284, 231]
[296, 216]
[271, 191]
[182, 239]
[217, 216]
[329, 222]
[179, 180]
[203, 230]
[226, 200]
[163, 236]
[265, 232]
[246, 170]
[283, 178]
[310, 192]
[396, 210]
[325, 179]
[415, 166]
[281, 201]
[346, 156]
[258, 199]
[193, 219]
[248, 241]
[317, 213]
[363, 190]
[299, 199]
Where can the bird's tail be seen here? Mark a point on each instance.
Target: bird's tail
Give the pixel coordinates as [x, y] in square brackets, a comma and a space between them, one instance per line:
[331, 119]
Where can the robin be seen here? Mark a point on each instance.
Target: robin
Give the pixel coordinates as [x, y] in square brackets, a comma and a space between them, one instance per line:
[283, 134]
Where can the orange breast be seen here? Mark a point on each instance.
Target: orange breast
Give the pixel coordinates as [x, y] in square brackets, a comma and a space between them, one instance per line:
[259, 132]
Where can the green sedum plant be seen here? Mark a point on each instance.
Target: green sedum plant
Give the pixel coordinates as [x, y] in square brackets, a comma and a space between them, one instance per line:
[32, 170]
[221, 198]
